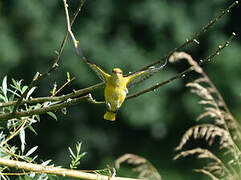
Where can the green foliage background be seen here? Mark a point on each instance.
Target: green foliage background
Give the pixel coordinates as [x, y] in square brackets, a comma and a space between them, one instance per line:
[129, 35]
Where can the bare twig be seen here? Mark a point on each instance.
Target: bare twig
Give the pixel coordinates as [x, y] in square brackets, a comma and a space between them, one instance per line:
[38, 77]
[91, 88]
[195, 37]
[56, 98]
[68, 22]
[43, 110]
[56, 170]
[184, 73]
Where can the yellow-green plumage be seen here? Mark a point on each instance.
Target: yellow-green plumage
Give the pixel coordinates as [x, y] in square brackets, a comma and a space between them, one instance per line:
[116, 85]
[115, 93]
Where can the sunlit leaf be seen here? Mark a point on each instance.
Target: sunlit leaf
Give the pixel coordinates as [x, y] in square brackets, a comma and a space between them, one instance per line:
[68, 76]
[15, 84]
[24, 89]
[71, 152]
[5, 86]
[22, 138]
[31, 151]
[45, 163]
[30, 92]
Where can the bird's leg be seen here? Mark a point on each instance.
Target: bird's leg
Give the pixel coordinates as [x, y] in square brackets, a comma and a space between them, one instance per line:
[108, 106]
[117, 107]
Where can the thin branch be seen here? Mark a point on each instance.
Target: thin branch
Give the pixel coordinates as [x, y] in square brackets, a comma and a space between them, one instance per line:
[56, 98]
[57, 171]
[99, 85]
[196, 36]
[91, 88]
[193, 39]
[184, 73]
[68, 23]
[38, 77]
[43, 110]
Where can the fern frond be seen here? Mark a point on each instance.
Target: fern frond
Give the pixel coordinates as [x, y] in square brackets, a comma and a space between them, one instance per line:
[209, 132]
[145, 169]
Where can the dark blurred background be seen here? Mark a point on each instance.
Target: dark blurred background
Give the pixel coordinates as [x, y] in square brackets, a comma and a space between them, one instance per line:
[129, 35]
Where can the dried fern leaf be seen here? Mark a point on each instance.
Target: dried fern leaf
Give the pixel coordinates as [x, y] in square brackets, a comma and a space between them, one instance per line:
[207, 173]
[145, 169]
[205, 114]
[210, 102]
[201, 153]
[207, 131]
[200, 91]
[200, 80]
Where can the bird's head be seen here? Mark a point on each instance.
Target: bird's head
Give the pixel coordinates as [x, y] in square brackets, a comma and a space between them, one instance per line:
[116, 72]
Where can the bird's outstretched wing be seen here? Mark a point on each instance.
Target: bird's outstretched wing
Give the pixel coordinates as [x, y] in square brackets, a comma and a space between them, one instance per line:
[100, 73]
[140, 76]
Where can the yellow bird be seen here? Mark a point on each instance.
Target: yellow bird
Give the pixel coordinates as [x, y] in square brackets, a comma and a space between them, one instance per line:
[116, 84]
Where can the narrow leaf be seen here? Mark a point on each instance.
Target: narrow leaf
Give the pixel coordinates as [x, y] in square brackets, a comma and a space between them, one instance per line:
[31, 151]
[24, 89]
[52, 115]
[45, 163]
[71, 152]
[4, 86]
[16, 85]
[30, 92]
[32, 129]
[2, 97]
[22, 138]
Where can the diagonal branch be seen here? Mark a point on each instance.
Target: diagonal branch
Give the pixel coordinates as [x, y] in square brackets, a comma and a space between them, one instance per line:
[38, 77]
[7, 116]
[99, 85]
[91, 88]
[57, 170]
[196, 36]
[185, 72]
[75, 93]
[55, 107]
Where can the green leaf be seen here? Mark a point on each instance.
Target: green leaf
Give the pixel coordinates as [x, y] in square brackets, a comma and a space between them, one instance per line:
[32, 129]
[24, 89]
[68, 76]
[52, 115]
[2, 97]
[38, 118]
[16, 84]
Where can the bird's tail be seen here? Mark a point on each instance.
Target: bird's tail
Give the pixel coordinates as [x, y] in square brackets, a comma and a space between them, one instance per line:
[110, 116]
